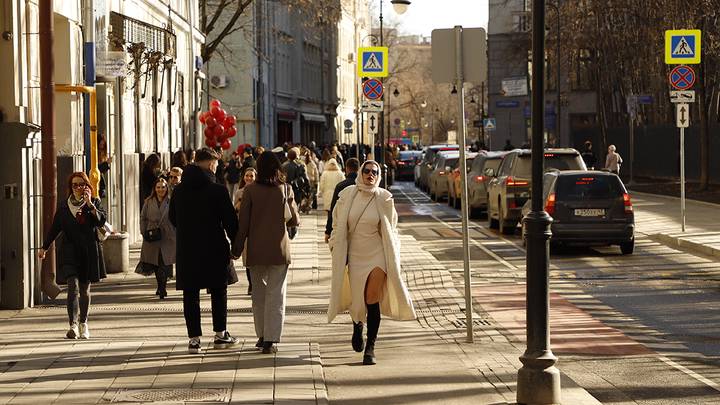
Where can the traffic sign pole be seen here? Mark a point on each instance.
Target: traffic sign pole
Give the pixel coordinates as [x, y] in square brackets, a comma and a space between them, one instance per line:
[682, 177]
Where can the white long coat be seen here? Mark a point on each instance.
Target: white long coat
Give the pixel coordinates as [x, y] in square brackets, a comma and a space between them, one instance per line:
[396, 302]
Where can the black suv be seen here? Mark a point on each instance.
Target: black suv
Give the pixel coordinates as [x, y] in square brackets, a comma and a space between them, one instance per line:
[589, 208]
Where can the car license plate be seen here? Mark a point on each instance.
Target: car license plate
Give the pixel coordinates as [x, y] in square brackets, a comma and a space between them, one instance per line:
[589, 212]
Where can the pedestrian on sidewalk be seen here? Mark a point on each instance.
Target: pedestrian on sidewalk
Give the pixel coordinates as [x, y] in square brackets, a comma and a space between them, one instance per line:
[150, 172]
[351, 168]
[174, 178]
[248, 178]
[233, 173]
[157, 254]
[588, 156]
[266, 211]
[310, 201]
[330, 178]
[80, 255]
[613, 160]
[365, 251]
[296, 175]
[204, 219]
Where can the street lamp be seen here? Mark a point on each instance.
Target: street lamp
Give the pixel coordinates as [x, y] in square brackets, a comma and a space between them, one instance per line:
[538, 379]
[558, 117]
[400, 7]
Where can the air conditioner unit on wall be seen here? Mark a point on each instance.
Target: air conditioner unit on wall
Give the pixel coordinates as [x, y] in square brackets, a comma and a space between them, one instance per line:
[218, 81]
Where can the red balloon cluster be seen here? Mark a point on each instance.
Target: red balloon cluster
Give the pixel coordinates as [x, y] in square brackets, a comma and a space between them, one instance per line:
[219, 127]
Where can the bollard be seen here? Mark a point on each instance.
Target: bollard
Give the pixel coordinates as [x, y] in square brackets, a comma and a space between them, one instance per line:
[116, 250]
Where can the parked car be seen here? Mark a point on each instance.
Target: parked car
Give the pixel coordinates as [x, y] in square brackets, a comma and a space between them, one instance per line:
[454, 182]
[406, 161]
[427, 164]
[510, 188]
[588, 208]
[483, 169]
[437, 180]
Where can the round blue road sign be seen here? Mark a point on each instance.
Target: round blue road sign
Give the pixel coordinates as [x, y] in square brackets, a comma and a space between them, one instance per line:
[682, 77]
[372, 89]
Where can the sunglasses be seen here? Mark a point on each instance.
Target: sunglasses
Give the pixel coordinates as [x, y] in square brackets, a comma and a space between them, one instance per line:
[373, 171]
[79, 185]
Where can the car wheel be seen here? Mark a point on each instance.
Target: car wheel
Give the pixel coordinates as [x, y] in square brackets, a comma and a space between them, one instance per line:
[627, 248]
[457, 203]
[450, 201]
[491, 222]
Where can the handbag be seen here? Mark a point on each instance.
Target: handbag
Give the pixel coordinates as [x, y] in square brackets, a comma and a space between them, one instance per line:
[290, 215]
[152, 235]
[232, 276]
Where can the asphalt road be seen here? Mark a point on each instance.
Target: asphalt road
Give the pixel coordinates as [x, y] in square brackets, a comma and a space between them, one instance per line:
[642, 328]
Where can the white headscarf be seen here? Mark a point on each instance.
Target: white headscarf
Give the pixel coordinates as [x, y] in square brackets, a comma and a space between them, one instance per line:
[332, 165]
[359, 180]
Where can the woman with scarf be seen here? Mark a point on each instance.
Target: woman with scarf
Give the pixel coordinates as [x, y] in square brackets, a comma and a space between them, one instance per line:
[80, 255]
[365, 250]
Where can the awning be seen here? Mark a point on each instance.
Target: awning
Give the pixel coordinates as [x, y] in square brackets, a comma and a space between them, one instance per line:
[314, 117]
[286, 115]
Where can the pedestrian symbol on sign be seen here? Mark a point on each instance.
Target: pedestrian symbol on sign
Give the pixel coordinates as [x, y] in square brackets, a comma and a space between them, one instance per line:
[682, 48]
[373, 63]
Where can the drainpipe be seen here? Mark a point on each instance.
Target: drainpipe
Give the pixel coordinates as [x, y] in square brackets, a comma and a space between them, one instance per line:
[49, 164]
[88, 18]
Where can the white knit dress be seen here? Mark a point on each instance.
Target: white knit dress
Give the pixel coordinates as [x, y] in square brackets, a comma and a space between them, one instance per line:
[365, 250]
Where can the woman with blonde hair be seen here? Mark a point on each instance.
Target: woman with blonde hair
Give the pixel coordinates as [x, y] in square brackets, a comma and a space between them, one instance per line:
[366, 274]
[330, 178]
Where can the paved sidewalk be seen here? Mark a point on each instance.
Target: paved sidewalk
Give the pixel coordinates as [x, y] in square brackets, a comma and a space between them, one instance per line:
[137, 353]
[658, 217]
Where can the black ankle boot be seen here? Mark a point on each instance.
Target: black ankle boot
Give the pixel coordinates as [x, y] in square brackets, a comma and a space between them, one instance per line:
[357, 337]
[369, 357]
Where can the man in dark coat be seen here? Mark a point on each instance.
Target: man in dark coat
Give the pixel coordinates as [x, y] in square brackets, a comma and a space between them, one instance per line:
[296, 175]
[203, 214]
[351, 171]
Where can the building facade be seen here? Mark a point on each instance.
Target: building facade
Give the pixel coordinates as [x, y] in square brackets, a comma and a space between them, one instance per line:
[141, 57]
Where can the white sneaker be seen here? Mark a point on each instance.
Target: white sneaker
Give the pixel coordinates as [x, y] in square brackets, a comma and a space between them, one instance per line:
[73, 332]
[194, 345]
[84, 331]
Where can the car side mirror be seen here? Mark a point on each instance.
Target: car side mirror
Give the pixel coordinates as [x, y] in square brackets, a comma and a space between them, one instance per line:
[489, 172]
[468, 169]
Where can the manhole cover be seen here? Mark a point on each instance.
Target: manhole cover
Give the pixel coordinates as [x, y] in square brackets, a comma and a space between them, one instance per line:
[462, 323]
[173, 395]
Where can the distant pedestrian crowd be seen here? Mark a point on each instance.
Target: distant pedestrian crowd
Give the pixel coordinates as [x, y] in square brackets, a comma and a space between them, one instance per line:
[206, 211]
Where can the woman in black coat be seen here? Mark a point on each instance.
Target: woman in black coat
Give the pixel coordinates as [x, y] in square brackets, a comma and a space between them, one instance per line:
[80, 253]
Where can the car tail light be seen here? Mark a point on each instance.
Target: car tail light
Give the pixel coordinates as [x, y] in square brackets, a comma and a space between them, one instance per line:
[441, 173]
[401, 163]
[628, 203]
[479, 179]
[550, 204]
[514, 183]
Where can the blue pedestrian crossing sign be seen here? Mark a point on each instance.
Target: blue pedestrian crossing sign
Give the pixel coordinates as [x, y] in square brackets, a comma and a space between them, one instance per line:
[682, 47]
[373, 61]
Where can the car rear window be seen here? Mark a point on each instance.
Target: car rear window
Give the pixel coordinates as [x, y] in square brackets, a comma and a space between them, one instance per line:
[492, 164]
[552, 161]
[451, 162]
[408, 155]
[588, 187]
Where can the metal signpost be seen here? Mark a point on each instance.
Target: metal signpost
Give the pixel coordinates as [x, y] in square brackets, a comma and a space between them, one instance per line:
[373, 124]
[682, 47]
[457, 57]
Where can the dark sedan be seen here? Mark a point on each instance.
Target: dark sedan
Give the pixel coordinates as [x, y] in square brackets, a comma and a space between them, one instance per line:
[406, 164]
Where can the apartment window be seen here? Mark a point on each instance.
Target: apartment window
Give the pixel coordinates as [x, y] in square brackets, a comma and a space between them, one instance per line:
[582, 70]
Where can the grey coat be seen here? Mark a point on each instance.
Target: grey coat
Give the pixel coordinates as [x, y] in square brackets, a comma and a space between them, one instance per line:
[153, 216]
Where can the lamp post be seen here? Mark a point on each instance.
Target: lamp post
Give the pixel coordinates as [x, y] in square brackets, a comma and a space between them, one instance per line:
[538, 378]
[558, 118]
[400, 7]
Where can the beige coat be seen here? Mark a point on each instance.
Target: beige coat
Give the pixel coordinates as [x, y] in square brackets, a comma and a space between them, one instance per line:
[396, 302]
[330, 178]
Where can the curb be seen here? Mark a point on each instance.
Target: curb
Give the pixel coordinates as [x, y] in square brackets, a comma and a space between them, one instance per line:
[684, 244]
[321, 392]
[670, 197]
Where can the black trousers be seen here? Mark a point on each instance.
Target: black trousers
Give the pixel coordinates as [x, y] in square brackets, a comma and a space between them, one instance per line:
[191, 310]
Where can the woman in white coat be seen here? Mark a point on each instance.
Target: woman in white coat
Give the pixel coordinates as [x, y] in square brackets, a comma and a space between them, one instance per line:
[365, 250]
[331, 176]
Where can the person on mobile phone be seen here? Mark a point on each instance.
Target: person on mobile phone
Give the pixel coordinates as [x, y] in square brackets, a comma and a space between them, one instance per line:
[80, 254]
